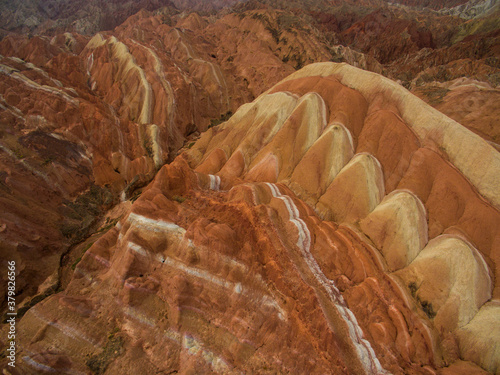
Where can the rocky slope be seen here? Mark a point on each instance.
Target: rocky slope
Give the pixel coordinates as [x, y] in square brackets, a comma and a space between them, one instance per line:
[81, 127]
[337, 210]
[469, 102]
[431, 4]
[294, 238]
[83, 17]
[87, 121]
[472, 9]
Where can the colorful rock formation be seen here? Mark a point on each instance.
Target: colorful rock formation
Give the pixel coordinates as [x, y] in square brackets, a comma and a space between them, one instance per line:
[230, 262]
[86, 121]
[336, 224]
[469, 102]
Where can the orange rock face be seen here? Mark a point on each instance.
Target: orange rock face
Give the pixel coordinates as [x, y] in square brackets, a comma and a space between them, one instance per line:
[336, 224]
[221, 266]
[469, 102]
[87, 120]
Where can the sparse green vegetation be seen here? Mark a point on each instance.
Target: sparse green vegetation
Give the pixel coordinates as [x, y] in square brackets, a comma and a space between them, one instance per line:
[113, 333]
[178, 198]
[274, 32]
[413, 288]
[98, 363]
[300, 62]
[427, 307]
[148, 147]
[136, 195]
[47, 161]
[223, 118]
[435, 94]
[75, 263]
[108, 226]
[83, 212]
[19, 153]
[166, 20]
[289, 22]
[68, 230]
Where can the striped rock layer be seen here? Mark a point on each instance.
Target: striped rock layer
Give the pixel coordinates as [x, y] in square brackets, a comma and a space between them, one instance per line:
[336, 225]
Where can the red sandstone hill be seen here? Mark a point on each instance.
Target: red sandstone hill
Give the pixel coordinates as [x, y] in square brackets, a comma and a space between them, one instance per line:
[87, 121]
[84, 17]
[335, 224]
[431, 4]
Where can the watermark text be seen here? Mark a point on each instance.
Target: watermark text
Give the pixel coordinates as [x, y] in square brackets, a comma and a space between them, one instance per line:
[11, 313]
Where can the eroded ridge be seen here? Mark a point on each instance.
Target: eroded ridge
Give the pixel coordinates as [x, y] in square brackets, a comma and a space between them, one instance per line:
[324, 228]
[362, 151]
[368, 358]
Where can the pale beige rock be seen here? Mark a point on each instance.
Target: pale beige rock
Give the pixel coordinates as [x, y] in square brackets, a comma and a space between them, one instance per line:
[296, 136]
[355, 192]
[198, 152]
[140, 101]
[249, 129]
[471, 154]
[153, 132]
[451, 280]
[398, 227]
[478, 340]
[322, 162]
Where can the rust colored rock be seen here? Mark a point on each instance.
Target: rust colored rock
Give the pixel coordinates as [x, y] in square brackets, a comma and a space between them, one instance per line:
[385, 37]
[355, 192]
[451, 280]
[336, 224]
[251, 277]
[469, 102]
[452, 203]
[391, 141]
[398, 227]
